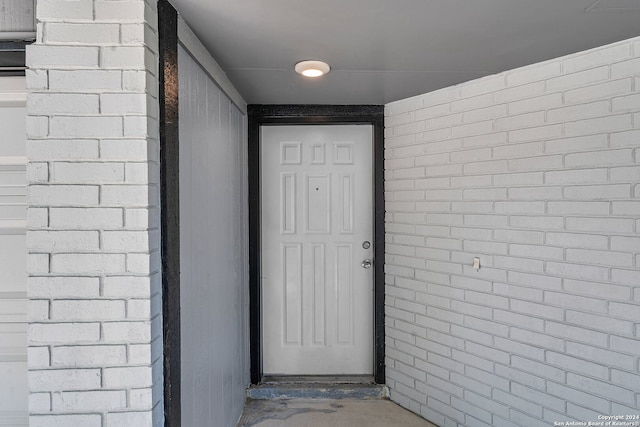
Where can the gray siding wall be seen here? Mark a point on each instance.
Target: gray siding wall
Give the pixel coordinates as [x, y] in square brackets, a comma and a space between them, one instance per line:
[13, 259]
[537, 172]
[17, 16]
[214, 256]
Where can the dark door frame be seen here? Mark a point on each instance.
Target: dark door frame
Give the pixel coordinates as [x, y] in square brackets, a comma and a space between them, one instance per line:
[314, 114]
[169, 209]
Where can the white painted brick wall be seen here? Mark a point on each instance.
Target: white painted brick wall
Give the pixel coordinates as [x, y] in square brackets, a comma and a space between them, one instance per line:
[536, 172]
[95, 347]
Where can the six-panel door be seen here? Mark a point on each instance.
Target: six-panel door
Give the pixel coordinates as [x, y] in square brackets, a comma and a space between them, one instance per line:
[317, 232]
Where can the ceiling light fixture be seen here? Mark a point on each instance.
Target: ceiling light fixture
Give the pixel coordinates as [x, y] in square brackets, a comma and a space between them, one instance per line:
[312, 68]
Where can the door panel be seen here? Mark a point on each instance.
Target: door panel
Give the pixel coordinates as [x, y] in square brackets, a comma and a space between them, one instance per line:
[316, 212]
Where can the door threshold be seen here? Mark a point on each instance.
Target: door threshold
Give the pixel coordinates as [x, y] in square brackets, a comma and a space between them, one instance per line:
[317, 379]
[318, 387]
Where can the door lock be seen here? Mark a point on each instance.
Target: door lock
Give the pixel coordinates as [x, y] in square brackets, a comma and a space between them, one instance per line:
[366, 244]
[367, 263]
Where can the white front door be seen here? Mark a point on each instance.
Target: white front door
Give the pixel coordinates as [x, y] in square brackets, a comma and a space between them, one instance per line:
[317, 231]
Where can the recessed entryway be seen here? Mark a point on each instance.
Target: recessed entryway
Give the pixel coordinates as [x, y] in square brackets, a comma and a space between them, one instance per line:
[316, 230]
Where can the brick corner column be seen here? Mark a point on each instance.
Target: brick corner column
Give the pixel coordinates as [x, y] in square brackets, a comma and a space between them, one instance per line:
[94, 285]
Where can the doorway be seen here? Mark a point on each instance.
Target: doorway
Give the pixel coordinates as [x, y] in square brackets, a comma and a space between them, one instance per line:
[299, 327]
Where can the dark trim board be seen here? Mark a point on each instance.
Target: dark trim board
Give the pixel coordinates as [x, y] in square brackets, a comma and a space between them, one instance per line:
[170, 210]
[314, 114]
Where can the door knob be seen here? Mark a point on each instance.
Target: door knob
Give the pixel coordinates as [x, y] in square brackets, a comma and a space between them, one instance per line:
[367, 263]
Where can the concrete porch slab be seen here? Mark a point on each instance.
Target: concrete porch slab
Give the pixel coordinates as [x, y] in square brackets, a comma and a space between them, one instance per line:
[328, 412]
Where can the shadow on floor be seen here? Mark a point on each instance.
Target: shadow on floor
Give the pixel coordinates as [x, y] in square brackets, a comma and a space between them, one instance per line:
[328, 412]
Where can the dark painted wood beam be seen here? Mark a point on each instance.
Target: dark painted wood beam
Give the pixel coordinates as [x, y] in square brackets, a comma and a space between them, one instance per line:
[170, 209]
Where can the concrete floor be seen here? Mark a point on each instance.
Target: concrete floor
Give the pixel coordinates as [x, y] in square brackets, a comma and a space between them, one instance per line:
[328, 412]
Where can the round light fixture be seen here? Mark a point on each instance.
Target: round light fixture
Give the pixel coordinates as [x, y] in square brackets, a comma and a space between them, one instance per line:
[312, 68]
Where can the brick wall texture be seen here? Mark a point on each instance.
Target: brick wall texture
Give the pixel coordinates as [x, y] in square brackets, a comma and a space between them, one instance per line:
[536, 171]
[95, 335]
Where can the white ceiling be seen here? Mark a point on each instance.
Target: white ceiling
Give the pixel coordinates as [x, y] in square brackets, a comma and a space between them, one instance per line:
[384, 50]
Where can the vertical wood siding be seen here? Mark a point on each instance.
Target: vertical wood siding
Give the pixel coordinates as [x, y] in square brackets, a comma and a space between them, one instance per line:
[214, 266]
[13, 269]
[17, 16]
